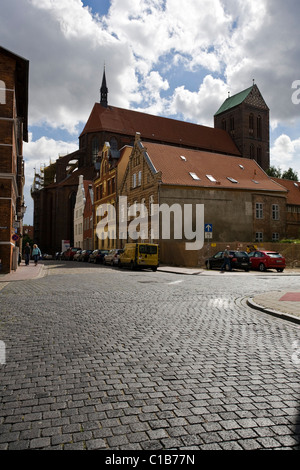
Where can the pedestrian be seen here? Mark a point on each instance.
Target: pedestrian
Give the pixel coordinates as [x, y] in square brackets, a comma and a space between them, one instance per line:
[36, 253]
[226, 260]
[27, 251]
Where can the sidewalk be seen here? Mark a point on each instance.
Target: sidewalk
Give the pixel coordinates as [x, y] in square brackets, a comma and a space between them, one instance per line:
[23, 273]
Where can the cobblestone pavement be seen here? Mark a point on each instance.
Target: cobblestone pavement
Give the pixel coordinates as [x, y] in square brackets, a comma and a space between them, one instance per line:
[101, 358]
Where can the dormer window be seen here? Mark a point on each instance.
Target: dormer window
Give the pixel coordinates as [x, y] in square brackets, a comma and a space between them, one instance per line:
[194, 176]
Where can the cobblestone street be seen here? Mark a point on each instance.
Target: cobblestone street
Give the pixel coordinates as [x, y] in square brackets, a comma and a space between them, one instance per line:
[102, 358]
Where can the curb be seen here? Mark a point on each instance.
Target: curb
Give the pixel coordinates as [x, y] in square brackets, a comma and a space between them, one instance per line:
[274, 313]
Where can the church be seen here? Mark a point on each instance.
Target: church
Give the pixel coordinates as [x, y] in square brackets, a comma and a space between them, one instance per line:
[241, 129]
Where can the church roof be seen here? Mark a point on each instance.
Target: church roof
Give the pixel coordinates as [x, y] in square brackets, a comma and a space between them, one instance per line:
[234, 100]
[160, 129]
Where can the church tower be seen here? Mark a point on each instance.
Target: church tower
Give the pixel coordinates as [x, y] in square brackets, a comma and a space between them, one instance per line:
[245, 116]
[103, 91]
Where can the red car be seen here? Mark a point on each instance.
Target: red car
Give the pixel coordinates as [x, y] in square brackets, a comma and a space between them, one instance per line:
[69, 254]
[263, 260]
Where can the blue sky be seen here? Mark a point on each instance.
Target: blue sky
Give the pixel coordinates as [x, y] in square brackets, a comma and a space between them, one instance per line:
[163, 57]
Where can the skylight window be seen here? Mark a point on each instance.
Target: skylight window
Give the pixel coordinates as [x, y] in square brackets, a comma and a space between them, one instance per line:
[183, 157]
[232, 179]
[211, 178]
[241, 166]
[194, 176]
[256, 182]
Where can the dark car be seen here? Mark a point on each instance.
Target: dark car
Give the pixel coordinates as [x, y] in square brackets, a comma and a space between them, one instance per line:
[263, 260]
[84, 255]
[238, 259]
[97, 256]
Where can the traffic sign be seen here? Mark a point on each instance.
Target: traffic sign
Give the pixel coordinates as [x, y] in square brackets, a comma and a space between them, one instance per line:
[15, 237]
[208, 228]
[208, 235]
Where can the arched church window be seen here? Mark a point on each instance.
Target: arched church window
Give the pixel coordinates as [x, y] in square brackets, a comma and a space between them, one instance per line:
[259, 156]
[95, 148]
[232, 125]
[224, 124]
[259, 132]
[251, 124]
[113, 143]
[2, 92]
[252, 151]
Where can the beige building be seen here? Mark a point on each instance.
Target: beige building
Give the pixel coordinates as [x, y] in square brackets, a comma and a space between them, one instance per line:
[81, 196]
[241, 203]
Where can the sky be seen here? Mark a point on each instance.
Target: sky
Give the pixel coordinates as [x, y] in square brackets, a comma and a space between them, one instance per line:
[165, 57]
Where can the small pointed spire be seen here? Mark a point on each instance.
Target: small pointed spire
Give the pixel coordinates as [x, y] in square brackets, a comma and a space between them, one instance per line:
[103, 91]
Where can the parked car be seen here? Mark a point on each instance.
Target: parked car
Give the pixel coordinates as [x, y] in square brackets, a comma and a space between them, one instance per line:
[97, 256]
[58, 255]
[69, 254]
[76, 255]
[46, 256]
[263, 260]
[112, 257]
[239, 260]
[140, 255]
[84, 255]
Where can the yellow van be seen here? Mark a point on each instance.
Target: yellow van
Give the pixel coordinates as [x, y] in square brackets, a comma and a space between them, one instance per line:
[140, 255]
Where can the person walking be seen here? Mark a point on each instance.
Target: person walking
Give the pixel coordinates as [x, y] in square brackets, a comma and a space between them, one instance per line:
[27, 251]
[226, 260]
[36, 253]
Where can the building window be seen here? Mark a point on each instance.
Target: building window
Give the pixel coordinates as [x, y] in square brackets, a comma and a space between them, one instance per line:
[259, 236]
[275, 237]
[259, 158]
[139, 178]
[134, 180]
[2, 92]
[95, 148]
[224, 124]
[231, 124]
[113, 143]
[259, 210]
[259, 131]
[251, 124]
[252, 151]
[275, 212]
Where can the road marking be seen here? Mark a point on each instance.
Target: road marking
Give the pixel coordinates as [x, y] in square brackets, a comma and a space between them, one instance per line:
[175, 282]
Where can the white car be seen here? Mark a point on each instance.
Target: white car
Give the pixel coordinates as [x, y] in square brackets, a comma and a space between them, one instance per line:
[112, 257]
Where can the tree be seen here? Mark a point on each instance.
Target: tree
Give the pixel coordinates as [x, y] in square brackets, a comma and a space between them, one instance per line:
[290, 174]
[275, 172]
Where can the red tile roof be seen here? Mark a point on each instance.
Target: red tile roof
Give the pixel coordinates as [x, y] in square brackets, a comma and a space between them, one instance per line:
[177, 164]
[293, 187]
[156, 128]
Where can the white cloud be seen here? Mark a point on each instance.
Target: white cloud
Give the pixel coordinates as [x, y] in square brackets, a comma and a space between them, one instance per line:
[285, 153]
[199, 106]
[145, 44]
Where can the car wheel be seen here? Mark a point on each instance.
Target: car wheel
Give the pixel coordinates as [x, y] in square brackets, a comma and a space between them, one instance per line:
[132, 266]
[262, 267]
[280, 270]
